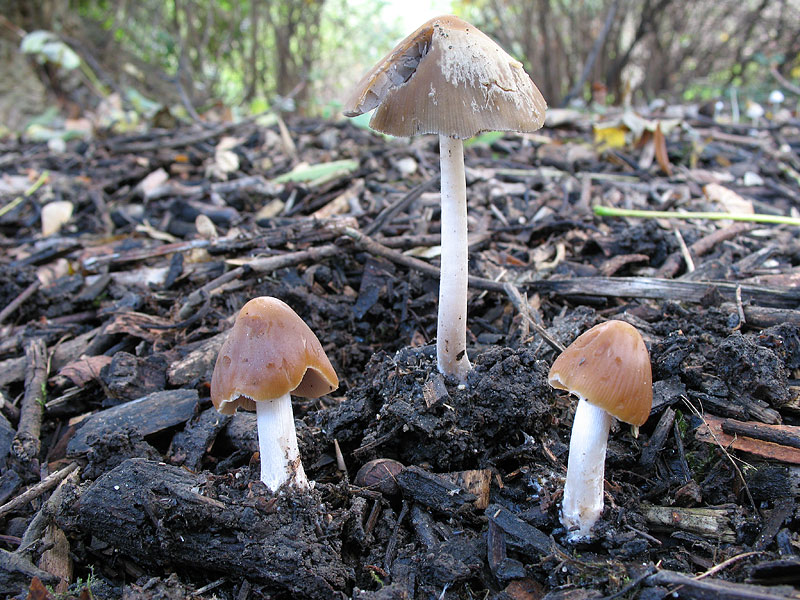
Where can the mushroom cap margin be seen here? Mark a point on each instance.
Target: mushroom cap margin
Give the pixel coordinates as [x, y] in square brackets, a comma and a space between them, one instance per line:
[608, 366]
[269, 352]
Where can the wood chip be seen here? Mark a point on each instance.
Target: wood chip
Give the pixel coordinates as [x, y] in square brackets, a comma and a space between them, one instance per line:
[711, 432]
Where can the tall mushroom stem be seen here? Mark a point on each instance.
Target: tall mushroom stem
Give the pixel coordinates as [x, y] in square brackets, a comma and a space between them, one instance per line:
[451, 333]
[277, 444]
[583, 491]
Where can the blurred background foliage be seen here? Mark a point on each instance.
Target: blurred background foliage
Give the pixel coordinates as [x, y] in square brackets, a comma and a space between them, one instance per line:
[302, 55]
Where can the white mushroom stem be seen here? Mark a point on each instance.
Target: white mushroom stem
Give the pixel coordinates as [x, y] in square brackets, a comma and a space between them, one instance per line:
[277, 444]
[451, 333]
[583, 492]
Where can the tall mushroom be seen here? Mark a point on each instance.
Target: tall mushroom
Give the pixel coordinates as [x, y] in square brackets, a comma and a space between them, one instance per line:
[608, 369]
[449, 78]
[269, 354]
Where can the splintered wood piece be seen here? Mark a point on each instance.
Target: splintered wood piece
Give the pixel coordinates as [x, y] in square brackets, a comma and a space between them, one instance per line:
[475, 481]
[199, 363]
[434, 491]
[145, 416]
[713, 522]
[18, 572]
[712, 432]
[502, 567]
[707, 589]
[57, 560]
[784, 507]
[520, 535]
[154, 513]
[758, 316]
[14, 369]
[785, 435]
[26, 443]
[190, 445]
[38, 489]
[660, 433]
[783, 570]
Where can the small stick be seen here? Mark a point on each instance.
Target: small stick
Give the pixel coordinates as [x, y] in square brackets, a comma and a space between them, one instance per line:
[209, 587]
[200, 295]
[9, 410]
[645, 535]
[676, 433]
[373, 247]
[783, 81]
[377, 442]
[687, 256]
[44, 517]
[388, 558]
[702, 246]
[727, 563]
[17, 302]
[373, 516]
[93, 263]
[785, 435]
[388, 213]
[37, 490]
[26, 443]
[259, 265]
[516, 299]
[739, 307]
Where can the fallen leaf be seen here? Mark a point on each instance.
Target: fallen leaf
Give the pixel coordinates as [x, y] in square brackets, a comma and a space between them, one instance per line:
[84, 370]
[55, 215]
[37, 590]
[730, 200]
[152, 182]
[610, 137]
[661, 151]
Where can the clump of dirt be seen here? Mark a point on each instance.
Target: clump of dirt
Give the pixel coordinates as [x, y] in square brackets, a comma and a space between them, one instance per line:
[752, 371]
[409, 411]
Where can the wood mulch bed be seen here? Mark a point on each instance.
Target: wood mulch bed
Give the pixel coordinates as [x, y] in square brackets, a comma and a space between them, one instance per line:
[119, 479]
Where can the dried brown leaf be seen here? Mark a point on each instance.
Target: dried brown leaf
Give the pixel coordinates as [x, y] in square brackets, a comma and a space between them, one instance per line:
[661, 151]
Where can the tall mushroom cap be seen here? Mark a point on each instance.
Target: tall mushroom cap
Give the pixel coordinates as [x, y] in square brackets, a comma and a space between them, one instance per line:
[448, 78]
[270, 352]
[608, 366]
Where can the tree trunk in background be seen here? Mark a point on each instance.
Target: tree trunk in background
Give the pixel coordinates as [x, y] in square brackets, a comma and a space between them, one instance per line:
[30, 14]
[671, 44]
[295, 30]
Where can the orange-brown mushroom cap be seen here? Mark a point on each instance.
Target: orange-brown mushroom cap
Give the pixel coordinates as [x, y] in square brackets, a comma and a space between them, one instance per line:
[450, 78]
[269, 353]
[608, 366]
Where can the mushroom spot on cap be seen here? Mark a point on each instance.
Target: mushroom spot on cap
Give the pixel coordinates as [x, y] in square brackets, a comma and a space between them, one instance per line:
[608, 366]
[269, 353]
[448, 78]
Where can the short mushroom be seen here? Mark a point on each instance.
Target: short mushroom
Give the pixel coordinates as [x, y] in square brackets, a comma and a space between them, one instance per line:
[449, 78]
[269, 354]
[608, 369]
[776, 98]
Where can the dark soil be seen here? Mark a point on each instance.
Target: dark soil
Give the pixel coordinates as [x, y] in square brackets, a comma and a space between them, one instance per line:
[132, 304]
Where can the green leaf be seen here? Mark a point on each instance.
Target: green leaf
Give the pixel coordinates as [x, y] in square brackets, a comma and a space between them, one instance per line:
[361, 120]
[49, 48]
[486, 138]
[319, 173]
